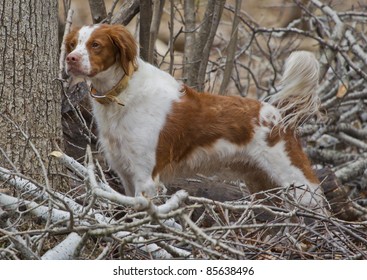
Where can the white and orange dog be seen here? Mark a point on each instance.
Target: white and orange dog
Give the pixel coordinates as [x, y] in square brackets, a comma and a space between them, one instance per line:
[152, 127]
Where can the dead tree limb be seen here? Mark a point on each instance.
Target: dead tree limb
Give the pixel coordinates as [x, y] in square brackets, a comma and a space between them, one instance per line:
[128, 10]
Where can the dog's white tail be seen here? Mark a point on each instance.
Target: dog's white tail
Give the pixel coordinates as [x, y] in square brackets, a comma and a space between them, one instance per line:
[297, 100]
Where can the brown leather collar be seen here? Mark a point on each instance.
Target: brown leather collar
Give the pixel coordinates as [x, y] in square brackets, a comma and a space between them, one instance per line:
[111, 95]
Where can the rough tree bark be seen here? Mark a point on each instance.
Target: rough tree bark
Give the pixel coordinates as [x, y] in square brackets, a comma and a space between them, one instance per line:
[30, 114]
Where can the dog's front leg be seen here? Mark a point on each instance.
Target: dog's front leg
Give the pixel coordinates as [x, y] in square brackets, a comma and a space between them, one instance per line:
[138, 183]
[127, 183]
[145, 186]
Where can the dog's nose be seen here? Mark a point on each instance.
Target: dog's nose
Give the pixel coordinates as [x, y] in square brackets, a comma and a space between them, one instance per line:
[72, 58]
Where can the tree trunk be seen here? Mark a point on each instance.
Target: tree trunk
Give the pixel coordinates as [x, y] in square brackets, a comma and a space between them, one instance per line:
[98, 10]
[144, 32]
[30, 114]
[189, 9]
[203, 44]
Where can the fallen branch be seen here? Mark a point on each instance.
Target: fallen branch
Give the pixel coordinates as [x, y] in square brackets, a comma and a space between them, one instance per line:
[65, 249]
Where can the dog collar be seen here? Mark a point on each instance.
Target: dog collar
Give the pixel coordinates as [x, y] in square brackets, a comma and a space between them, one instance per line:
[111, 95]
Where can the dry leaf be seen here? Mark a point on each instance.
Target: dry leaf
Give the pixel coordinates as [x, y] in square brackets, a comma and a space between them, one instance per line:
[341, 91]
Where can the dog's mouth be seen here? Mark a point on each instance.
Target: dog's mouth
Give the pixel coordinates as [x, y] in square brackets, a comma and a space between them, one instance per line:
[75, 71]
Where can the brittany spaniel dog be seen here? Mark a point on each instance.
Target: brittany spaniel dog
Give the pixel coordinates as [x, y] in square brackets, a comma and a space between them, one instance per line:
[152, 127]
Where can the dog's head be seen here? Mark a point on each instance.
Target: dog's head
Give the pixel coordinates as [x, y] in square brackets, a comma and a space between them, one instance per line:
[95, 48]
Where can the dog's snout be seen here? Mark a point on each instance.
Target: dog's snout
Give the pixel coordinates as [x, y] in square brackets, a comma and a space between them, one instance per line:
[73, 58]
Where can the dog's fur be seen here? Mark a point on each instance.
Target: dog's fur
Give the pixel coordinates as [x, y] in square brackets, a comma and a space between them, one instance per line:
[165, 128]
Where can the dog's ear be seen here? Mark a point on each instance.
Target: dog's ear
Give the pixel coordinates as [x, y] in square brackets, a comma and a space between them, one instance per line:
[126, 45]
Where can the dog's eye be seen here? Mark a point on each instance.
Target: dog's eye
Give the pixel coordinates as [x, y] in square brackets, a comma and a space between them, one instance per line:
[95, 45]
[71, 45]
